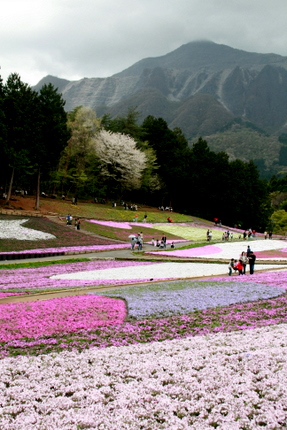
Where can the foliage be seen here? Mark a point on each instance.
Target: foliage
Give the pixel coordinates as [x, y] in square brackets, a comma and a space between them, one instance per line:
[79, 165]
[241, 141]
[20, 109]
[172, 153]
[53, 127]
[35, 131]
[117, 158]
[124, 124]
[279, 221]
[150, 180]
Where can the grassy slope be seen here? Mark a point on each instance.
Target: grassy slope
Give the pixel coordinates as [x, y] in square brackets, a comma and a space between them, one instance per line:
[67, 236]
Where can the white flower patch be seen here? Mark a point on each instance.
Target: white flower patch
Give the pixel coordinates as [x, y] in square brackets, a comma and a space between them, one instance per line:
[228, 381]
[156, 271]
[13, 229]
[226, 250]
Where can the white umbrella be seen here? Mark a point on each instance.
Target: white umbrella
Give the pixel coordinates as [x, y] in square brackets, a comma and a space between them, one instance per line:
[132, 235]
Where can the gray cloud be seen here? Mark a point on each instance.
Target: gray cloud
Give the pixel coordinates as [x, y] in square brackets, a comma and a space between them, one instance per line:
[73, 39]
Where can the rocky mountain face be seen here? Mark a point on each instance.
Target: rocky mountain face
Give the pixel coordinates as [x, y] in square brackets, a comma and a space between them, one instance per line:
[200, 87]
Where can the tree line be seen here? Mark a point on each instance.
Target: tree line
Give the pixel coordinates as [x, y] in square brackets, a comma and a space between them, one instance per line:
[33, 132]
[44, 148]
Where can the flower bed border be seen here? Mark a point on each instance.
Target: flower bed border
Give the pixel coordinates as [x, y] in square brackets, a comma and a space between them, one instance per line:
[22, 256]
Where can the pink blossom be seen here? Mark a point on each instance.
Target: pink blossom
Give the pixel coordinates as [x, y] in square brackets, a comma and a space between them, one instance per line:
[59, 315]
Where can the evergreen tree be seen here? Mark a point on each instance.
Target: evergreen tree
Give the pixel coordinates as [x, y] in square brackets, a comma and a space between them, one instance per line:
[172, 157]
[52, 133]
[124, 124]
[20, 111]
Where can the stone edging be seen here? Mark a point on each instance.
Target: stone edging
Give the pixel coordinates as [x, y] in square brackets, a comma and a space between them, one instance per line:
[20, 212]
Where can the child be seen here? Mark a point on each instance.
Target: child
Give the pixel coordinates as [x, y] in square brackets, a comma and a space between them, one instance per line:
[239, 267]
[231, 266]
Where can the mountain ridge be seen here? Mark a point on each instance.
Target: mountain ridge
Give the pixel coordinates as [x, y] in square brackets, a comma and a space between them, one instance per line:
[200, 87]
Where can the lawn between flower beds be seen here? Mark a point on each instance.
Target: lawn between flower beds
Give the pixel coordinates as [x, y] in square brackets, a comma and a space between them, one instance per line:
[187, 230]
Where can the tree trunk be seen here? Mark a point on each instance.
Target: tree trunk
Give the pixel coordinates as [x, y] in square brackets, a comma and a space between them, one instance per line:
[37, 206]
[10, 186]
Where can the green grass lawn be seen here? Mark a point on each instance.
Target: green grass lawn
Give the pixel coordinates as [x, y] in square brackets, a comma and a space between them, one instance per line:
[68, 236]
[107, 212]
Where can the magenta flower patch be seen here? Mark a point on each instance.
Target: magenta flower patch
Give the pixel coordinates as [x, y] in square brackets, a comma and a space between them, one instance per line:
[59, 315]
[35, 279]
[72, 249]
[192, 252]
[123, 225]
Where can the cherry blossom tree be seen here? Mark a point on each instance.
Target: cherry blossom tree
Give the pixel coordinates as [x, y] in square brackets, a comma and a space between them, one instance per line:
[122, 163]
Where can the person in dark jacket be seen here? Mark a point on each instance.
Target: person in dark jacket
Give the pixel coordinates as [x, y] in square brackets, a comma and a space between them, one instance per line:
[251, 258]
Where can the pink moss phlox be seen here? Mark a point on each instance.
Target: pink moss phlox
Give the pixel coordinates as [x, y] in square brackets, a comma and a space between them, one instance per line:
[192, 252]
[59, 315]
[123, 225]
[232, 318]
[67, 249]
[22, 279]
[276, 279]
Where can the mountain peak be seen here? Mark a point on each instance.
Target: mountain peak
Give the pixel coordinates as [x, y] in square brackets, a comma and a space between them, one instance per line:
[199, 87]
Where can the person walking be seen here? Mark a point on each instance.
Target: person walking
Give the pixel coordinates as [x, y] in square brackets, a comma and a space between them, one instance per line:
[76, 223]
[140, 242]
[251, 258]
[133, 242]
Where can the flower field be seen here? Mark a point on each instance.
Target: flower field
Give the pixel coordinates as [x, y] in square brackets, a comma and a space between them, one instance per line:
[75, 275]
[165, 351]
[15, 230]
[41, 233]
[189, 230]
[264, 249]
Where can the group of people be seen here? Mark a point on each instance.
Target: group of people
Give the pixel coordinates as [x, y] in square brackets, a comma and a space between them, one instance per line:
[227, 235]
[69, 221]
[249, 234]
[166, 208]
[131, 207]
[239, 266]
[137, 240]
[161, 243]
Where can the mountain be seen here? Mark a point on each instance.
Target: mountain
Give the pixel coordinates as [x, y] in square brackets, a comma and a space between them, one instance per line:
[200, 87]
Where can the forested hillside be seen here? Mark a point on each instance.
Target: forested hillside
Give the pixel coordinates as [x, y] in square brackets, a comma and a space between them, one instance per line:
[201, 87]
[90, 157]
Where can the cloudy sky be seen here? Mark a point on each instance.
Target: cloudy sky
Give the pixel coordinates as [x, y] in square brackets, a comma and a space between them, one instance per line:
[73, 39]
